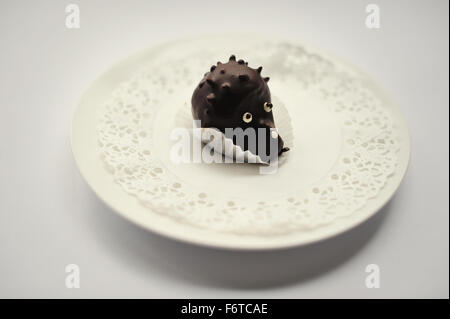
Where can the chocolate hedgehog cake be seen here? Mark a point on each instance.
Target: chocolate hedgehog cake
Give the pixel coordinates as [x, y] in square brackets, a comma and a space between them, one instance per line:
[233, 95]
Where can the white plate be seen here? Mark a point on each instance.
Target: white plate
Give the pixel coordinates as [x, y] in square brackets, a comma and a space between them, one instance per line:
[350, 147]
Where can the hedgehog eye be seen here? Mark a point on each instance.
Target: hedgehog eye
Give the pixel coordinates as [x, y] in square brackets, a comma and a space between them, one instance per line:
[247, 117]
[268, 107]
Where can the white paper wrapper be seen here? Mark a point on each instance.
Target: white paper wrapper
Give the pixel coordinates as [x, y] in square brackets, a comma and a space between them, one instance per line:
[283, 124]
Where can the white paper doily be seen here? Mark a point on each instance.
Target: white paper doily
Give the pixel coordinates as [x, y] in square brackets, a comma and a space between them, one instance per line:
[350, 151]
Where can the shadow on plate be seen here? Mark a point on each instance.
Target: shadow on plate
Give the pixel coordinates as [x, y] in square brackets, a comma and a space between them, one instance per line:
[222, 268]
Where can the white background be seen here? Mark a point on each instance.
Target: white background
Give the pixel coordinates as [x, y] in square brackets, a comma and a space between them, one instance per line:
[50, 218]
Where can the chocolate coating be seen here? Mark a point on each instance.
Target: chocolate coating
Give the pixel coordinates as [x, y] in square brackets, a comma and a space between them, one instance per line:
[227, 93]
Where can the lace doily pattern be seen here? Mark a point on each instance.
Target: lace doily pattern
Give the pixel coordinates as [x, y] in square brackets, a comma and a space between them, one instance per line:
[367, 159]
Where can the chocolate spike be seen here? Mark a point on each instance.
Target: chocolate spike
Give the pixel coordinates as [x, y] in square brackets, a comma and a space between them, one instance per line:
[232, 58]
[211, 97]
[241, 61]
[201, 84]
[243, 77]
[219, 63]
[213, 67]
[246, 63]
[267, 79]
[259, 69]
[210, 82]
